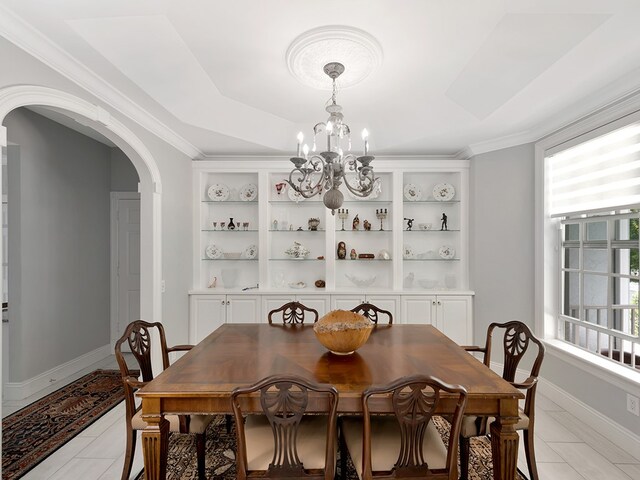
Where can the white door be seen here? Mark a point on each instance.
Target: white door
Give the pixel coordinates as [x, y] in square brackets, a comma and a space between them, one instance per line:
[419, 309]
[454, 318]
[244, 309]
[126, 262]
[206, 313]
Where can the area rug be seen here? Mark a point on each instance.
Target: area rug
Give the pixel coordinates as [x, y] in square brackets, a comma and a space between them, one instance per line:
[221, 447]
[33, 433]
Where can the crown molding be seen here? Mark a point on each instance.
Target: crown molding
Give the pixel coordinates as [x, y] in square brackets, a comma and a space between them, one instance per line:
[17, 31]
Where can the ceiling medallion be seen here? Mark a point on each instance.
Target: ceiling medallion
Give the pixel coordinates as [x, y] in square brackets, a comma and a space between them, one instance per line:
[323, 173]
[337, 43]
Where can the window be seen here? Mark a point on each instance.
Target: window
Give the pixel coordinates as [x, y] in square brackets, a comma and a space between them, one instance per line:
[595, 194]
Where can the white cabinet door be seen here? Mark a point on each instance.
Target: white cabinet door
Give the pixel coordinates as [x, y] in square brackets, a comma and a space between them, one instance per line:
[454, 318]
[273, 302]
[244, 309]
[321, 303]
[346, 302]
[206, 313]
[387, 302]
[418, 309]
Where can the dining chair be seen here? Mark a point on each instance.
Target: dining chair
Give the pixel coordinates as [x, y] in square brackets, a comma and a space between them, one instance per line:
[407, 443]
[517, 338]
[283, 442]
[372, 312]
[138, 337]
[293, 312]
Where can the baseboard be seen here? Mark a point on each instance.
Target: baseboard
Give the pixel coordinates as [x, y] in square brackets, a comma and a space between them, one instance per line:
[22, 390]
[622, 437]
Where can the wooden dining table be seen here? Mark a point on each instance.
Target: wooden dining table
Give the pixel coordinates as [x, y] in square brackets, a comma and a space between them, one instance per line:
[241, 354]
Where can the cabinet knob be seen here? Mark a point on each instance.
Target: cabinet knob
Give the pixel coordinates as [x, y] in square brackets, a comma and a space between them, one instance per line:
[223, 302]
[433, 303]
[228, 302]
[439, 302]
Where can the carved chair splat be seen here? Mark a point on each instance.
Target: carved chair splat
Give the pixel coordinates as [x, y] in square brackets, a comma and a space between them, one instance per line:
[293, 312]
[372, 312]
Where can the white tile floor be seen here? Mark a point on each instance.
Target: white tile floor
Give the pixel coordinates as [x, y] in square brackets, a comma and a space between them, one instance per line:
[566, 449]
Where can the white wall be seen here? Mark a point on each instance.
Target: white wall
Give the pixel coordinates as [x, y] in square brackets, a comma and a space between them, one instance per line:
[175, 173]
[59, 244]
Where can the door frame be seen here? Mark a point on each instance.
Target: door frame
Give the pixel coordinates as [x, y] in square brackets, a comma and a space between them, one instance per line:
[115, 198]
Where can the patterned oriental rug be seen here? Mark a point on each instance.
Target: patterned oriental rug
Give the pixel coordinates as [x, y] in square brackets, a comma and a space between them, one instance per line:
[221, 460]
[33, 433]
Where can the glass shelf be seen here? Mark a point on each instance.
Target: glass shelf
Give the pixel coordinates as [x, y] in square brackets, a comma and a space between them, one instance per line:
[363, 259]
[226, 231]
[296, 259]
[433, 230]
[373, 230]
[291, 202]
[364, 201]
[429, 201]
[231, 202]
[298, 231]
[431, 259]
[230, 259]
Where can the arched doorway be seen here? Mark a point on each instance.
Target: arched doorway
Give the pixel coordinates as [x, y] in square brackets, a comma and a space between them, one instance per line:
[150, 186]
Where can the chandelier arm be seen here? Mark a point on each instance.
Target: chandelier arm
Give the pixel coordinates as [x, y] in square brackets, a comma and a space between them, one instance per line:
[314, 165]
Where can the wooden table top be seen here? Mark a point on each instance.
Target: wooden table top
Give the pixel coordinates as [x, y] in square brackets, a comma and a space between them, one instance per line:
[242, 354]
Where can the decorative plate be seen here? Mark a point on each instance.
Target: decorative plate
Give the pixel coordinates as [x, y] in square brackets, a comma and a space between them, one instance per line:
[295, 196]
[446, 252]
[213, 252]
[412, 192]
[444, 192]
[407, 252]
[249, 192]
[251, 252]
[297, 285]
[218, 192]
[375, 192]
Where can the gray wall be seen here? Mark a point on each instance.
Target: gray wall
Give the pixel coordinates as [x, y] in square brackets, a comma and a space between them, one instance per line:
[59, 243]
[124, 177]
[502, 269]
[501, 237]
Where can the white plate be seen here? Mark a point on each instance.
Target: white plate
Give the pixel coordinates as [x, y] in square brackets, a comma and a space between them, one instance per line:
[444, 192]
[249, 192]
[407, 252]
[251, 252]
[446, 252]
[214, 252]
[298, 285]
[375, 192]
[412, 192]
[294, 196]
[218, 192]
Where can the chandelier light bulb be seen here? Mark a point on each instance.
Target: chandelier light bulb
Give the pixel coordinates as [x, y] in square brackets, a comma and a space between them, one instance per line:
[365, 137]
[305, 150]
[300, 137]
[365, 134]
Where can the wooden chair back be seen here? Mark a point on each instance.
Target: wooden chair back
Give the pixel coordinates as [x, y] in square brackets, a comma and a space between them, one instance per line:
[415, 399]
[293, 312]
[284, 400]
[372, 312]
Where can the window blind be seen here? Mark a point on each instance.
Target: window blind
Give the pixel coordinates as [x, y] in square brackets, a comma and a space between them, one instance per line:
[599, 174]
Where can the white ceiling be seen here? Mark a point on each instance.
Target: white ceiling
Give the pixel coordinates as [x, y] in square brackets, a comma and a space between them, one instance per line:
[454, 74]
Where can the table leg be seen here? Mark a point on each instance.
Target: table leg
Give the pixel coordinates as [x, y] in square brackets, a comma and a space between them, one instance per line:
[155, 440]
[504, 448]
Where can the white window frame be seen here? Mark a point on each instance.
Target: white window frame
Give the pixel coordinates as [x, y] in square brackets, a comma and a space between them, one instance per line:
[547, 259]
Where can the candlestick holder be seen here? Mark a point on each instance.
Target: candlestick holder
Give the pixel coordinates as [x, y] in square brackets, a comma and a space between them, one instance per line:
[382, 215]
[343, 214]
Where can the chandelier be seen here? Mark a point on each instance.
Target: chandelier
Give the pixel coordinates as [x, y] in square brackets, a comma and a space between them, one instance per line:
[315, 173]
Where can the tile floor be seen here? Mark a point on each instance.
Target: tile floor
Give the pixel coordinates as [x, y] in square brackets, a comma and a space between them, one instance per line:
[566, 449]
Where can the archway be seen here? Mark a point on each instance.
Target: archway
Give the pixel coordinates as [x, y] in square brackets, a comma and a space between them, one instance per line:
[149, 187]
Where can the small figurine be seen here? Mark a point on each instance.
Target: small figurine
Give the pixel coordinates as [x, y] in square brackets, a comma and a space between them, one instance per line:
[320, 283]
[353, 254]
[342, 250]
[356, 223]
[313, 224]
[213, 282]
[280, 186]
[367, 225]
[444, 222]
[409, 223]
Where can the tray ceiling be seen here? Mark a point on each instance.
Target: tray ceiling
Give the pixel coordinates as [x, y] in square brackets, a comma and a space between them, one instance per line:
[453, 74]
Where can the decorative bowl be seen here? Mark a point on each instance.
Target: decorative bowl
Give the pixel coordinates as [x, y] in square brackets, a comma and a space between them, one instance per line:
[342, 331]
[232, 254]
[361, 281]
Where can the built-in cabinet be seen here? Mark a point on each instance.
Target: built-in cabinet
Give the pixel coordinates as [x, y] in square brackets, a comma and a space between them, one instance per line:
[419, 269]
